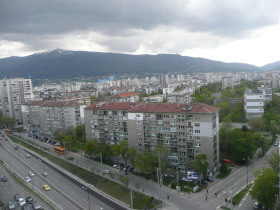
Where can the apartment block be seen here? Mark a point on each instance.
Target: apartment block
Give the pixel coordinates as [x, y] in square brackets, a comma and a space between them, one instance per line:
[253, 103]
[13, 93]
[184, 130]
[107, 121]
[49, 117]
[182, 97]
[227, 82]
[125, 97]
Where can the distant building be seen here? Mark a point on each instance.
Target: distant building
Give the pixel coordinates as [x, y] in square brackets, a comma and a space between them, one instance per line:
[227, 82]
[13, 93]
[253, 103]
[154, 99]
[125, 97]
[49, 117]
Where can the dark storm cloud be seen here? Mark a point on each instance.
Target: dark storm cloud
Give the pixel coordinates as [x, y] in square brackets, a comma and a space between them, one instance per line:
[36, 22]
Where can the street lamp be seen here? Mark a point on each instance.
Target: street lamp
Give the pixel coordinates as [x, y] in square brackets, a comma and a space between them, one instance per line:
[247, 159]
[86, 189]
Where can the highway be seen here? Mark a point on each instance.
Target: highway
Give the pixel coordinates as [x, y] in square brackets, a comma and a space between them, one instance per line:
[64, 193]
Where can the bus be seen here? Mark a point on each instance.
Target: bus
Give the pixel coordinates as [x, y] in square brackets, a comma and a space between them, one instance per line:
[9, 131]
[60, 150]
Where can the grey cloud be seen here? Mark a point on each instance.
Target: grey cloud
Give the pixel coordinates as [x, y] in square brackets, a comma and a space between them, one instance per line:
[33, 19]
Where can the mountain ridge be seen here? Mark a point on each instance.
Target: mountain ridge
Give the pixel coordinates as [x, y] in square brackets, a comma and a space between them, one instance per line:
[65, 64]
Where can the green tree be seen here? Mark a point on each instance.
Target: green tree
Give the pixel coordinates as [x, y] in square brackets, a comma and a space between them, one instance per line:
[104, 149]
[80, 132]
[265, 187]
[125, 152]
[201, 165]
[146, 162]
[257, 124]
[273, 162]
[68, 141]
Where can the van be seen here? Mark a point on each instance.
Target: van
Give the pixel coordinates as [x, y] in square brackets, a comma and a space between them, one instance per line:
[227, 161]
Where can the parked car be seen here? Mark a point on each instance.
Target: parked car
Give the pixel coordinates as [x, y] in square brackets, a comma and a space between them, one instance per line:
[131, 169]
[45, 173]
[28, 179]
[276, 143]
[36, 206]
[186, 180]
[210, 179]
[116, 165]
[29, 199]
[25, 207]
[70, 158]
[256, 205]
[18, 196]
[107, 171]
[11, 205]
[21, 201]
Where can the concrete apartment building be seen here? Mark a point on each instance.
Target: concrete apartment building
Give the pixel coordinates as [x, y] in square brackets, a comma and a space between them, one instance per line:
[227, 82]
[253, 103]
[185, 131]
[107, 121]
[181, 97]
[49, 117]
[13, 93]
[125, 97]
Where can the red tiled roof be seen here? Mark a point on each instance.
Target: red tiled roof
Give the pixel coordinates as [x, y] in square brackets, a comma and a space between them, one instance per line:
[81, 91]
[122, 95]
[113, 106]
[163, 107]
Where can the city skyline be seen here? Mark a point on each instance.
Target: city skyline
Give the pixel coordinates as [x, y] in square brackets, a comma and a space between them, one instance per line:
[239, 31]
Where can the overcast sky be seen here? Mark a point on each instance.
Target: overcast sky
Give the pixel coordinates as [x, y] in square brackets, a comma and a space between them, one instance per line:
[246, 31]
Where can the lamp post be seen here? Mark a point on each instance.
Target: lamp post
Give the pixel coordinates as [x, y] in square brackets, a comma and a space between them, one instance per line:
[86, 189]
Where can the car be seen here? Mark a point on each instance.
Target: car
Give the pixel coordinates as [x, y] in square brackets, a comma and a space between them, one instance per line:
[11, 205]
[6, 139]
[57, 144]
[21, 201]
[210, 179]
[28, 179]
[29, 199]
[46, 187]
[276, 143]
[27, 155]
[45, 173]
[4, 178]
[31, 173]
[116, 165]
[25, 207]
[169, 176]
[70, 158]
[131, 169]
[18, 196]
[186, 180]
[256, 205]
[36, 206]
[106, 171]
[16, 147]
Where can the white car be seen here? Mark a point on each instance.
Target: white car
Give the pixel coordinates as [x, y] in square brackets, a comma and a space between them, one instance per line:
[28, 179]
[106, 171]
[31, 173]
[185, 179]
[21, 201]
[45, 173]
[276, 143]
